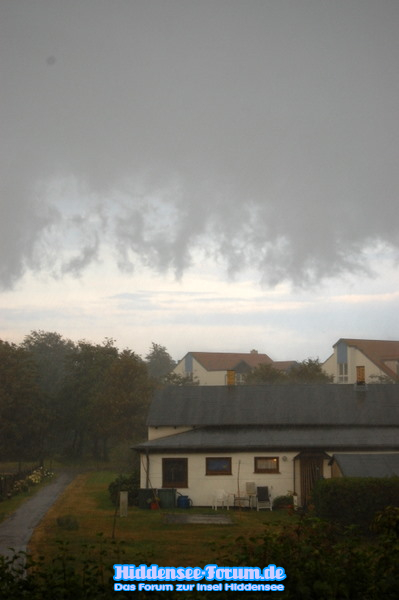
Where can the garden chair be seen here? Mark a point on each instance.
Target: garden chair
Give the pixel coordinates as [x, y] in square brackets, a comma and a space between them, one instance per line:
[221, 498]
[263, 498]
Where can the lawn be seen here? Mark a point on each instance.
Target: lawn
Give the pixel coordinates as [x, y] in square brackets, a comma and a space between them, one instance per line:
[143, 536]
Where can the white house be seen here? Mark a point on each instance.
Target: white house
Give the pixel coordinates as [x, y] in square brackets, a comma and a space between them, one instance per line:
[207, 438]
[373, 360]
[222, 368]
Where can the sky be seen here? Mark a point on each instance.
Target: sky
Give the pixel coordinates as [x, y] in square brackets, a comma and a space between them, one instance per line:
[208, 175]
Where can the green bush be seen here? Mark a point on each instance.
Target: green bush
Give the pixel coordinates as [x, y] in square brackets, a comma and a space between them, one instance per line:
[68, 522]
[283, 502]
[354, 500]
[125, 483]
[324, 560]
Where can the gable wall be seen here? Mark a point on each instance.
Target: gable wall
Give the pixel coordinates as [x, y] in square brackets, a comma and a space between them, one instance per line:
[200, 373]
[330, 366]
[355, 358]
[160, 432]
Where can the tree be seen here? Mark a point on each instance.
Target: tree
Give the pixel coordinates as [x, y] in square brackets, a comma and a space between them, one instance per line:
[87, 366]
[266, 374]
[24, 420]
[309, 371]
[106, 395]
[176, 379]
[51, 354]
[118, 410]
[159, 362]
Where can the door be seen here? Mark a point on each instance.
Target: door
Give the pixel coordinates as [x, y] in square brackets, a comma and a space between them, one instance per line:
[311, 470]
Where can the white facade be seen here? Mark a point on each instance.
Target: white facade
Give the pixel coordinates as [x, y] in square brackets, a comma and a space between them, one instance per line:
[161, 432]
[201, 486]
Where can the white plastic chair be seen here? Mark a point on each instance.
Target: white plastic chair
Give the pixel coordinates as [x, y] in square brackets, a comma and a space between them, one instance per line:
[221, 498]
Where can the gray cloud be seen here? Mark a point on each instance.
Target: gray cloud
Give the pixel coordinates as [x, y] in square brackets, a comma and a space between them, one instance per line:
[260, 133]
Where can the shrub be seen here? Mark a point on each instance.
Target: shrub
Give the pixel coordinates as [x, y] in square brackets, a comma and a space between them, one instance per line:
[68, 522]
[125, 483]
[324, 560]
[283, 502]
[354, 500]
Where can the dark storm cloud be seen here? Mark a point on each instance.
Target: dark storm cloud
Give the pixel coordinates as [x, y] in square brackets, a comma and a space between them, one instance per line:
[260, 133]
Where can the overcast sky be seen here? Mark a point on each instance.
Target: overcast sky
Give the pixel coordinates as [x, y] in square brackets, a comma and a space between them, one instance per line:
[213, 175]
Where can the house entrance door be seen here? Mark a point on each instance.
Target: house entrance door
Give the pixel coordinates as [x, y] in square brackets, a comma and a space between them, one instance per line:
[311, 469]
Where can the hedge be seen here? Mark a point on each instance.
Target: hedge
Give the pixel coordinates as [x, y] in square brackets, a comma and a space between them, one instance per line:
[125, 483]
[354, 500]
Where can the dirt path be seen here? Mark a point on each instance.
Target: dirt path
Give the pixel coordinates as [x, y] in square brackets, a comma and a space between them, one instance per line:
[16, 531]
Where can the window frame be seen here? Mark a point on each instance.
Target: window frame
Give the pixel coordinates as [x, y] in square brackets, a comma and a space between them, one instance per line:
[223, 471]
[167, 481]
[258, 469]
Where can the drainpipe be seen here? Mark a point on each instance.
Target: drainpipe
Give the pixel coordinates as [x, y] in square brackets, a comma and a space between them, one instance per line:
[147, 471]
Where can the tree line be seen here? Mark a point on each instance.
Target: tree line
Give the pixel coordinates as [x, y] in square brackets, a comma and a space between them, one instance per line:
[60, 397]
[307, 371]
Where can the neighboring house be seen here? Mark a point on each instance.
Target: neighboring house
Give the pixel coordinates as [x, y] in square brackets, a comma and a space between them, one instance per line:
[373, 361]
[224, 368]
[203, 439]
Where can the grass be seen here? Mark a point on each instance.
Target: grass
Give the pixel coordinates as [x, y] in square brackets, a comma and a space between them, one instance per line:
[7, 507]
[143, 536]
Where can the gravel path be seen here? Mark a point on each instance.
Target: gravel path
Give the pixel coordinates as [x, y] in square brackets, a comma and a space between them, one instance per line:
[16, 531]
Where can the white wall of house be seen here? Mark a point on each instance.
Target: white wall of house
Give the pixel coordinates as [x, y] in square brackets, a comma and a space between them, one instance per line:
[201, 487]
[330, 367]
[356, 358]
[160, 432]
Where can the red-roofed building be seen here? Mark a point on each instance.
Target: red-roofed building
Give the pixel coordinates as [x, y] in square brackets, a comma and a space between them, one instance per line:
[374, 360]
[223, 368]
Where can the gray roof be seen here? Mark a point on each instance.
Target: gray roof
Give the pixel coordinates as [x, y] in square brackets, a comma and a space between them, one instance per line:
[257, 438]
[296, 405]
[368, 465]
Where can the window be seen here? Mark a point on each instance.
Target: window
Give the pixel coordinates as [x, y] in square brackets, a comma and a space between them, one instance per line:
[218, 466]
[342, 372]
[174, 472]
[266, 464]
[240, 378]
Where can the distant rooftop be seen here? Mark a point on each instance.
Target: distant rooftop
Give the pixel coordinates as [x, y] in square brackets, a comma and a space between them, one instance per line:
[226, 361]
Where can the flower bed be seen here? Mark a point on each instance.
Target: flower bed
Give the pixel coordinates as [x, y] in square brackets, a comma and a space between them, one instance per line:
[16, 483]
